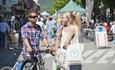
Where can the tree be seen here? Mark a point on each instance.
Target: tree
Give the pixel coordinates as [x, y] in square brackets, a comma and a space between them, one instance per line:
[89, 8]
[100, 7]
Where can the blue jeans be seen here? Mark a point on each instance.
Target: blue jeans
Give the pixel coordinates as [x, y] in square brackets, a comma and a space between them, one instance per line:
[50, 38]
[2, 39]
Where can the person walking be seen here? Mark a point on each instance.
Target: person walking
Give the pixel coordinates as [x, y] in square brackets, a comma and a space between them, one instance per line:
[50, 30]
[113, 31]
[4, 31]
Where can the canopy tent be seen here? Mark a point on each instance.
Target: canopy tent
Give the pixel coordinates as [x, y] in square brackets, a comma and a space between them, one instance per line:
[44, 13]
[72, 6]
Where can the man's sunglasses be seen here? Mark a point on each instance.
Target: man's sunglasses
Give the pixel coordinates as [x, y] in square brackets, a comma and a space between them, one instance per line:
[33, 16]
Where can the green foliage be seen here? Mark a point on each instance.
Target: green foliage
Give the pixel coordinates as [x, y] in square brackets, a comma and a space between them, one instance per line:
[78, 1]
[107, 3]
[45, 5]
[57, 67]
[58, 4]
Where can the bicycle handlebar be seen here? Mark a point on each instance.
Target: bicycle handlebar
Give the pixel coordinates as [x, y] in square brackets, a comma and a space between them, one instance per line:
[47, 51]
[43, 51]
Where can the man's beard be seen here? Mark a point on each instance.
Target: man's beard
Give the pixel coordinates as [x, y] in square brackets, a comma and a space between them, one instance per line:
[33, 22]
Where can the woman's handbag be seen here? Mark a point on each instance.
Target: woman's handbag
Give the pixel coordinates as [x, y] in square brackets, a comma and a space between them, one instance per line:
[74, 52]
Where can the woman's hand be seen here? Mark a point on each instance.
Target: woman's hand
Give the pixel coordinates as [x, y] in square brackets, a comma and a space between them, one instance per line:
[55, 49]
[65, 46]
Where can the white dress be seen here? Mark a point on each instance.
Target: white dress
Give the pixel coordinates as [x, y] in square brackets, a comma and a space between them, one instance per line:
[61, 53]
[74, 50]
[63, 38]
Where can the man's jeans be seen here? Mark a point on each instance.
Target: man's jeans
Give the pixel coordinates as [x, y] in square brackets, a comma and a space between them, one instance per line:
[2, 39]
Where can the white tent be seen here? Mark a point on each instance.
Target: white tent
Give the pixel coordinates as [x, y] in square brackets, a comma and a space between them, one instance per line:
[72, 6]
[44, 13]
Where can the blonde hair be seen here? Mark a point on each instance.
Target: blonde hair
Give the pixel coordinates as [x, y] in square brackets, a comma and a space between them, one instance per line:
[66, 14]
[76, 19]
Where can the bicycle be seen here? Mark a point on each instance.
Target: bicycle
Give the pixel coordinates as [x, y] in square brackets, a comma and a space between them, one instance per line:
[36, 62]
[6, 68]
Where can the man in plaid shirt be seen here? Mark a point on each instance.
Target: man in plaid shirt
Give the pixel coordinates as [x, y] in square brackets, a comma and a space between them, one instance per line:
[32, 33]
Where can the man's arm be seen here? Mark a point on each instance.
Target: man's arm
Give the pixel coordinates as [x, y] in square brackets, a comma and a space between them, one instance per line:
[43, 37]
[27, 44]
[46, 42]
[58, 39]
[25, 40]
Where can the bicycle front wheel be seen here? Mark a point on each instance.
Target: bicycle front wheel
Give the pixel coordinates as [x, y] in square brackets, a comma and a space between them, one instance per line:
[6, 68]
[28, 65]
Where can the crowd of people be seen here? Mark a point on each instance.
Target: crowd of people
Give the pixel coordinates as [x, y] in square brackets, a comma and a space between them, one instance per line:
[58, 34]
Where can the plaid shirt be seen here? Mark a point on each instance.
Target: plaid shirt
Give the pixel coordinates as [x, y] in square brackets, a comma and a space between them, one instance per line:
[35, 36]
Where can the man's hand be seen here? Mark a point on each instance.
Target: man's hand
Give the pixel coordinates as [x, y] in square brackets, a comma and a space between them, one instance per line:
[52, 51]
[29, 49]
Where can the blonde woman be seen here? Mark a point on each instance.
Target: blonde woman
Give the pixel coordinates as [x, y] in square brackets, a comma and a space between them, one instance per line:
[62, 36]
[67, 37]
[63, 32]
[74, 24]
[73, 47]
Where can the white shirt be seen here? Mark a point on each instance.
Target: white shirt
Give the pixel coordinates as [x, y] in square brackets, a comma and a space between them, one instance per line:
[40, 23]
[113, 28]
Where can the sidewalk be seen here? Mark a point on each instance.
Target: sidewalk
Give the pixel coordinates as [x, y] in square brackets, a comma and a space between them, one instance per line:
[92, 45]
[8, 57]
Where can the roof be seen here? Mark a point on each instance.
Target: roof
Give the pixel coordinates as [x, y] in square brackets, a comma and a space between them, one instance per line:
[72, 6]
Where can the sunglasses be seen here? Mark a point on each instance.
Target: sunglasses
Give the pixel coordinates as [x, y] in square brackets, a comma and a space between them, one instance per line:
[33, 16]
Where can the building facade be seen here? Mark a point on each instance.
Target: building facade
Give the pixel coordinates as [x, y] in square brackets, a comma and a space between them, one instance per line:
[7, 4]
